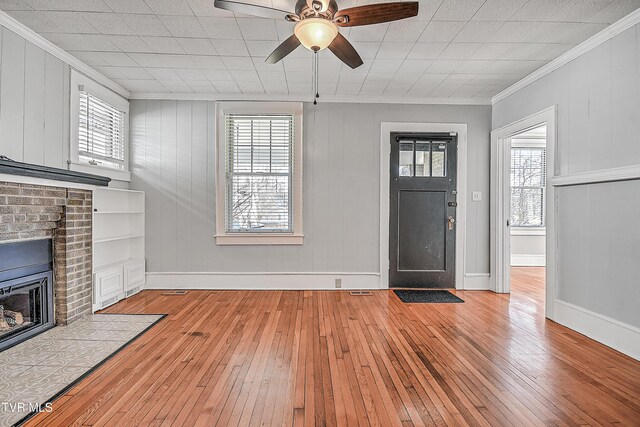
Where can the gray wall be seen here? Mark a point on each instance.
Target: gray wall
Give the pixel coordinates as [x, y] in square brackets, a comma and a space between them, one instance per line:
[34, 103]
[525, 246]
[172, 144]
[598, 103]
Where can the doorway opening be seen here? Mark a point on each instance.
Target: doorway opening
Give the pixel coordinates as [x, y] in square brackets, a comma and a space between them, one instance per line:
[527, 219]
[523, 234]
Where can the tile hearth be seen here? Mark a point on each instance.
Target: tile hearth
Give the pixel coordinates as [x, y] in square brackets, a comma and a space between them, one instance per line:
[36, 370]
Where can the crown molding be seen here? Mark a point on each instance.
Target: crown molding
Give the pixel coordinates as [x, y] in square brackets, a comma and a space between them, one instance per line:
[302, 98]
[31, 36]
[607, 34]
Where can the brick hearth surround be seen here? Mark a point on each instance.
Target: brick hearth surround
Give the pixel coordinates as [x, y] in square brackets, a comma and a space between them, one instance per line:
[30, 212]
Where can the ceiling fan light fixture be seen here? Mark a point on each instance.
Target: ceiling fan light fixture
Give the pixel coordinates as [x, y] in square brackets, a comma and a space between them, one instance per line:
[315, 33]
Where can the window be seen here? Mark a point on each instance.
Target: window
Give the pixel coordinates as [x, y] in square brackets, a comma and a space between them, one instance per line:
[259, 172]
[100, 133]
[259, 162]
[99, 130]
[528, 181]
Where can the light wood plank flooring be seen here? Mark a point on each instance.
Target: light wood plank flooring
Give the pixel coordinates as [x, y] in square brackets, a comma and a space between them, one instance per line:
[328, 358]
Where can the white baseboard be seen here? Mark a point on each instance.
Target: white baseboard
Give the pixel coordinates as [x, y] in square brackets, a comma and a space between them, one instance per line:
[528, 260]
[261, 281]
[476, 282]
[610, 332]
[284, 281]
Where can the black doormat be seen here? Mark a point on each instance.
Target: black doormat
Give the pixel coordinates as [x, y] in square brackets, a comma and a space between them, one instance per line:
[426, 295]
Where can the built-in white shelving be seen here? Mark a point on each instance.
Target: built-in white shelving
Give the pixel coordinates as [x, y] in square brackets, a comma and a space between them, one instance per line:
[118, 245]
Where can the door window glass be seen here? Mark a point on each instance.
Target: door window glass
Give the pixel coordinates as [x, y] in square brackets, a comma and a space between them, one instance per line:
[423, 162]
[405, 165]
[439, 159]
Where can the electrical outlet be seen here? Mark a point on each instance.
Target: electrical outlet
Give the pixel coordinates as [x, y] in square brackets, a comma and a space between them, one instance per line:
[338, 283]
[476, 196]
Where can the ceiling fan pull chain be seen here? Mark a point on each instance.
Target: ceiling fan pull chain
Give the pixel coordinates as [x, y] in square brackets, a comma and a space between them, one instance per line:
[315, 77]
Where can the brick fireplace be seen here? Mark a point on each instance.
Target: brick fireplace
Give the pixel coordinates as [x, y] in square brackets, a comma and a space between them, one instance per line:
[30, 212]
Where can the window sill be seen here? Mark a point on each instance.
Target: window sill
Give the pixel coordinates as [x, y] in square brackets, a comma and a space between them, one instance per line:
[114, 174]
[526, 231]
[259, 239]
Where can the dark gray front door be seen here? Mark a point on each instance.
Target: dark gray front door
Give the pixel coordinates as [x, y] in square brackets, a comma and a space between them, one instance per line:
[422, 234]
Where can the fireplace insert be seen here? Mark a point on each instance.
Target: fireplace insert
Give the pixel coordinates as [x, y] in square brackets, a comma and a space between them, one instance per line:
[26, 290]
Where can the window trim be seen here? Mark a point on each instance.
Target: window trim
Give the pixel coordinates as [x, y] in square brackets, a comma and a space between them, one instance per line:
[529, 230]
[97, 90]
[272, 238]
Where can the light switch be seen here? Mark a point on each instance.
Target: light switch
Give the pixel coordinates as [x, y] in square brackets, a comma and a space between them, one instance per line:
[476, 196]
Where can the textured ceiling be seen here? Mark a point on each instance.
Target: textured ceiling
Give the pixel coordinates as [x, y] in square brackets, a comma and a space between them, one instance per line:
[453, 48]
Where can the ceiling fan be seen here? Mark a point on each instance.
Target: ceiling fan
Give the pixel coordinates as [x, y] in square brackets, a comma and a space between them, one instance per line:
[317, 23]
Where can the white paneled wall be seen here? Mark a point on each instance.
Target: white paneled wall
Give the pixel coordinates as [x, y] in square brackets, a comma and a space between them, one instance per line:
[598, 104]
[34, 103]
[173, 148]
[599, 248]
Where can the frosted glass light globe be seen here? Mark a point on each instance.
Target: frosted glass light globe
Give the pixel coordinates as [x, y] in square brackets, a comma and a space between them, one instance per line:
[315, 33]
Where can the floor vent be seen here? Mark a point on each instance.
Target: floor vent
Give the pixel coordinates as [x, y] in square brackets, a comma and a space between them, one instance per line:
[109, 302]
[360, 293]
[174, 292]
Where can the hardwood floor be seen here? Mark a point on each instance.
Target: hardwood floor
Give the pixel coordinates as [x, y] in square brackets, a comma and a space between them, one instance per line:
[527, 289]
[328, 358]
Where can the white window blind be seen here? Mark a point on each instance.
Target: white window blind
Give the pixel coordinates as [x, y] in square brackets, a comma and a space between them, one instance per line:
[528, 181]
[101, 133]
[259, 170]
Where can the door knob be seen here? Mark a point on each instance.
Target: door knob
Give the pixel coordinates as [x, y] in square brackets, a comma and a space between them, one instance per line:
[451, 221]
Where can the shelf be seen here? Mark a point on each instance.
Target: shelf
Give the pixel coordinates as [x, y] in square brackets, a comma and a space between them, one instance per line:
[113, 239]
[119, 212]
[116, 264]
[124, 190]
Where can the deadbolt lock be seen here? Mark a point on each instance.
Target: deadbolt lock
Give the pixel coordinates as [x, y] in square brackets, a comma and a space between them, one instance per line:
[452, 204]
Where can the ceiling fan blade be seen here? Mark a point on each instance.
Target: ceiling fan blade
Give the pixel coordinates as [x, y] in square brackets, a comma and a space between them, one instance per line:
[376, 13]
[345, 51]
[251, 9]
[285, 48]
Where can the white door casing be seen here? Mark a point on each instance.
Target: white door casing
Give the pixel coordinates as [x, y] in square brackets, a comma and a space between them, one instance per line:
[385, 150]
[500, 209]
